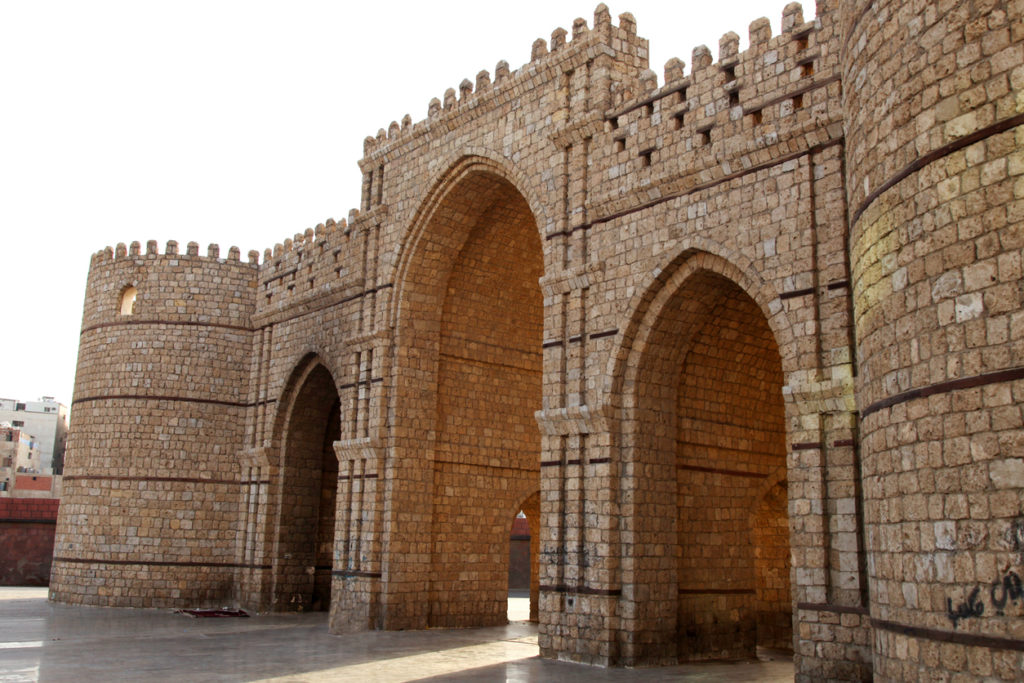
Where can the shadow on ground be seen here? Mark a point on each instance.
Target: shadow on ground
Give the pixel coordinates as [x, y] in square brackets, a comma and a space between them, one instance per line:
[46, 642]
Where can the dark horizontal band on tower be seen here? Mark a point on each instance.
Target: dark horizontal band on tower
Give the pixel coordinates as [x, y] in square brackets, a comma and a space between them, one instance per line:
[717, 591]
[151, 321]
[156, 563]
[825, 607]
[20, 520]
[954, 637]
[935, 155]
[577, 461]
[367, 382]
[346, 573]
[821, 83]
[582, 590]
[717, 470]
[179, 480]
[698, 188]
[179, 399]
[324, 307]
[945, 387]
[577, 338]
[796, 293]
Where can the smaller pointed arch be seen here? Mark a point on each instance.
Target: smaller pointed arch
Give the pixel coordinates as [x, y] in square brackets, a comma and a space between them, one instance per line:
[699, 379]
[304, 489]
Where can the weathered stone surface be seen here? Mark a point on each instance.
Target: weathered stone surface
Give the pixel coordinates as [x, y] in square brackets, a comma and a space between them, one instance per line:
[746, 348]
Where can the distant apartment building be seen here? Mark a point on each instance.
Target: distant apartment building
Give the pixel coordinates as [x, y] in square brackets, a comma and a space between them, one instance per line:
[20, 473]
[17, 449]
[45, 422]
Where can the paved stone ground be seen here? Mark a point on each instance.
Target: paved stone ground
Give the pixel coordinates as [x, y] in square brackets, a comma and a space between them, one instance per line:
[40, 641]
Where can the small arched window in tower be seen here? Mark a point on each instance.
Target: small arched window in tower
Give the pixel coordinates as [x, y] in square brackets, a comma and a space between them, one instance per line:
[128, 300]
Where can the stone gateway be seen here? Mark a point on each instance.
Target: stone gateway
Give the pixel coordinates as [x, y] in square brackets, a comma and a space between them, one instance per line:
[746, 348]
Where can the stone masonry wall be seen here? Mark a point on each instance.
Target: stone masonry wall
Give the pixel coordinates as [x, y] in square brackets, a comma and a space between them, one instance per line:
[151, 502]
[934, 130]
[743, 345]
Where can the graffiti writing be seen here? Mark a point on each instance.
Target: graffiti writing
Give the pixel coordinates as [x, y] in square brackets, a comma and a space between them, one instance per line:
[1006, 590]
[1009, 589]
[1015, 539]
[972, 607]
[562, 555]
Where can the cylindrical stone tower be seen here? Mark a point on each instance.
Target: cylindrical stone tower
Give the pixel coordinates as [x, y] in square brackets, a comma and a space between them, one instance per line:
[933, 104]
[151, 504]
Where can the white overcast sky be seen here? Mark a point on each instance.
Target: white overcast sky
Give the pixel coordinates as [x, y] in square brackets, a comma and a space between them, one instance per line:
[232, 122]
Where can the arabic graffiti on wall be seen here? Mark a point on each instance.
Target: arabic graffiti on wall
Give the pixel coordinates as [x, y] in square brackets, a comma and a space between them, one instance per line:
[1005, 591]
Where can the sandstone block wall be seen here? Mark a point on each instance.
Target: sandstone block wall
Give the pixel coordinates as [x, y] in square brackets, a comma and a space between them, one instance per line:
[743, 346]
[935, 108]
[152, 504]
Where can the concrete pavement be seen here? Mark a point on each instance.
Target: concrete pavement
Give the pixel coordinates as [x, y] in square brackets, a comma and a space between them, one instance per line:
[41, 641]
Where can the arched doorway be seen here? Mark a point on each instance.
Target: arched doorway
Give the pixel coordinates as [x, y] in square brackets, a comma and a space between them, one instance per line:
[470, 331]
[730, 437]
[307, 488]
[770, 526]
[707, 491]
[524, 560]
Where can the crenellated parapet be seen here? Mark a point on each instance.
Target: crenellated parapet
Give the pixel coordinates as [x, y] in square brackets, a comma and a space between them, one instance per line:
[588, 65]
[172, 286]
[724, 117]
[545, 57]
[134, 250]
[139, 304]
[321, 266]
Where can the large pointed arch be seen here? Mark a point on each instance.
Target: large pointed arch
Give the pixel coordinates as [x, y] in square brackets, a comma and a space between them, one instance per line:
[664, 280]
[699, 380]
[454, 170]
[468, 315]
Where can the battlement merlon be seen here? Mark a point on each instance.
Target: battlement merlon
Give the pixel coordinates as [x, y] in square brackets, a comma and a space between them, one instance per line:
[604, 39]
[134, 251]
[625, 84]
[625, 81]
[704, 67]
[633, 84]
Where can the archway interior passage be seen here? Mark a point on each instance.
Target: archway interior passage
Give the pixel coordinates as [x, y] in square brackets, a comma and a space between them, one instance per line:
[524, 561]
[308, 496]
[715, 400]
[486, 457]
